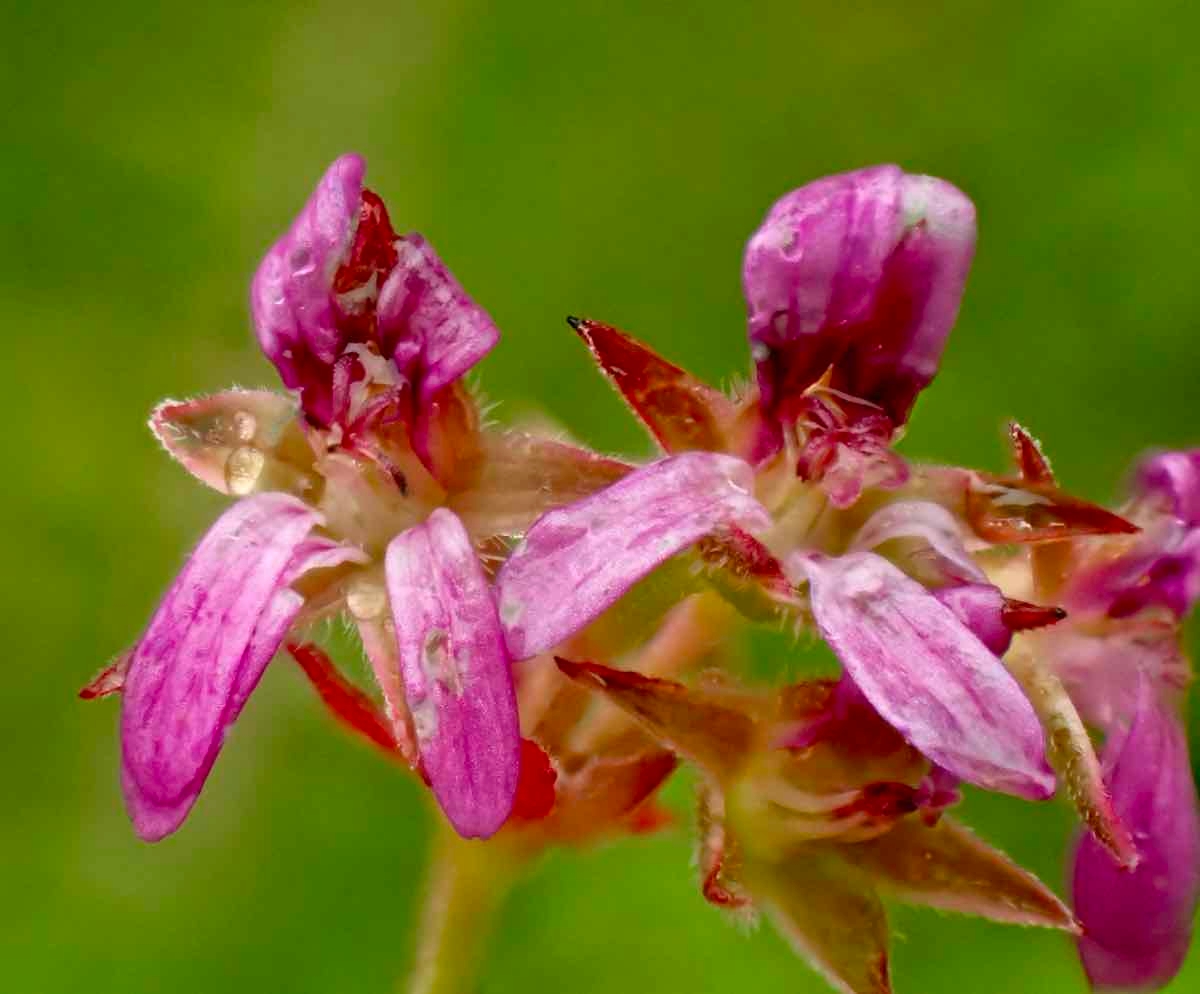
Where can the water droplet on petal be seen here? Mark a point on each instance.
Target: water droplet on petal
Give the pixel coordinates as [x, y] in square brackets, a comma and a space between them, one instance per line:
[244, 426]
[243, 468]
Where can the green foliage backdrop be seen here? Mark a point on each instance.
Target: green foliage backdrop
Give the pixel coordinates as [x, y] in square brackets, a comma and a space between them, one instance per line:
[604, 158]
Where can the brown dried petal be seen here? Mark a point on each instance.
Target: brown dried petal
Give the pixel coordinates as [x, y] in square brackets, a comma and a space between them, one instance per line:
[680, 411]
[830, 913]
[947, 867]
[698, 726]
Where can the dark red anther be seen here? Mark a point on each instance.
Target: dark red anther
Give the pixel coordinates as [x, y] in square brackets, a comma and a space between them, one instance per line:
[1021, 616]
[349, 705]
[535, 785]
[884, 799]
[373, 252]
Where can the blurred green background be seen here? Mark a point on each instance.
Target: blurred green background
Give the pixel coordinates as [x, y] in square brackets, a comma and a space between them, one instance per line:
[599, 158]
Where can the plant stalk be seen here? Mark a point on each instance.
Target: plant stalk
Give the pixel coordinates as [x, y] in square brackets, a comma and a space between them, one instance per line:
[466, 885]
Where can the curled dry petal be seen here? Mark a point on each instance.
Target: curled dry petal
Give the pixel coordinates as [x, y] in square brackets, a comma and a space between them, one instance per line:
[205, 649]
[1138, 923]
[862, 271]
[456, 673]
[680, 411]
[926, 673]
[945, 866]
[577, 561]
[290, 296]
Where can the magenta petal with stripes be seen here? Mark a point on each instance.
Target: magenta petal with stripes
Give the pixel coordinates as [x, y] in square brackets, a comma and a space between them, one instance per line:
[206, 648]
[457, 675]
[1138, 923]
[290, 296]
[578, 560]
[927, 674]
[421, 303]
[862, 271]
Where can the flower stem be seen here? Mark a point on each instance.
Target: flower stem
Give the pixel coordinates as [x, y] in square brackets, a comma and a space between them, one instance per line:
[467, 884]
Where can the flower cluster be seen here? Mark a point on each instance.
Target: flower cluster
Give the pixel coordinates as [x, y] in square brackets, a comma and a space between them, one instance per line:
[510, 588]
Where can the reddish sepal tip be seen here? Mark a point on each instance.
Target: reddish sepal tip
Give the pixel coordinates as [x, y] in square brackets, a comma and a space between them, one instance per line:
[109, 681]
[536, 784]
[1021, 616]
[346, 703]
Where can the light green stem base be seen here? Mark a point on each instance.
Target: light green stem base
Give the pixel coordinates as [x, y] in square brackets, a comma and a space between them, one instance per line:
[467, 884]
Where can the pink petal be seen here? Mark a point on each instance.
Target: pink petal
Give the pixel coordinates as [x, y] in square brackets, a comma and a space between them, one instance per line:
[422, 302]
[457, 675]
[290, 295]
[206, 647]
[933, 526]
[980, 607]
[917, 301]
[927, 674]
[864, 272]
[1138, 923]
[811, 270]
[1173, 478]
[578, 560]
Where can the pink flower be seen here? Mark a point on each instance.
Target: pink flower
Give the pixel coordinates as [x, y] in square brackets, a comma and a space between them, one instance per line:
[927, 673]
[578, 560]
[853, 284]
[340, 288]
[377, 501]
[1138, 923]
[206, 647]
[923, 652]
[1121, 659]
[812, 807]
